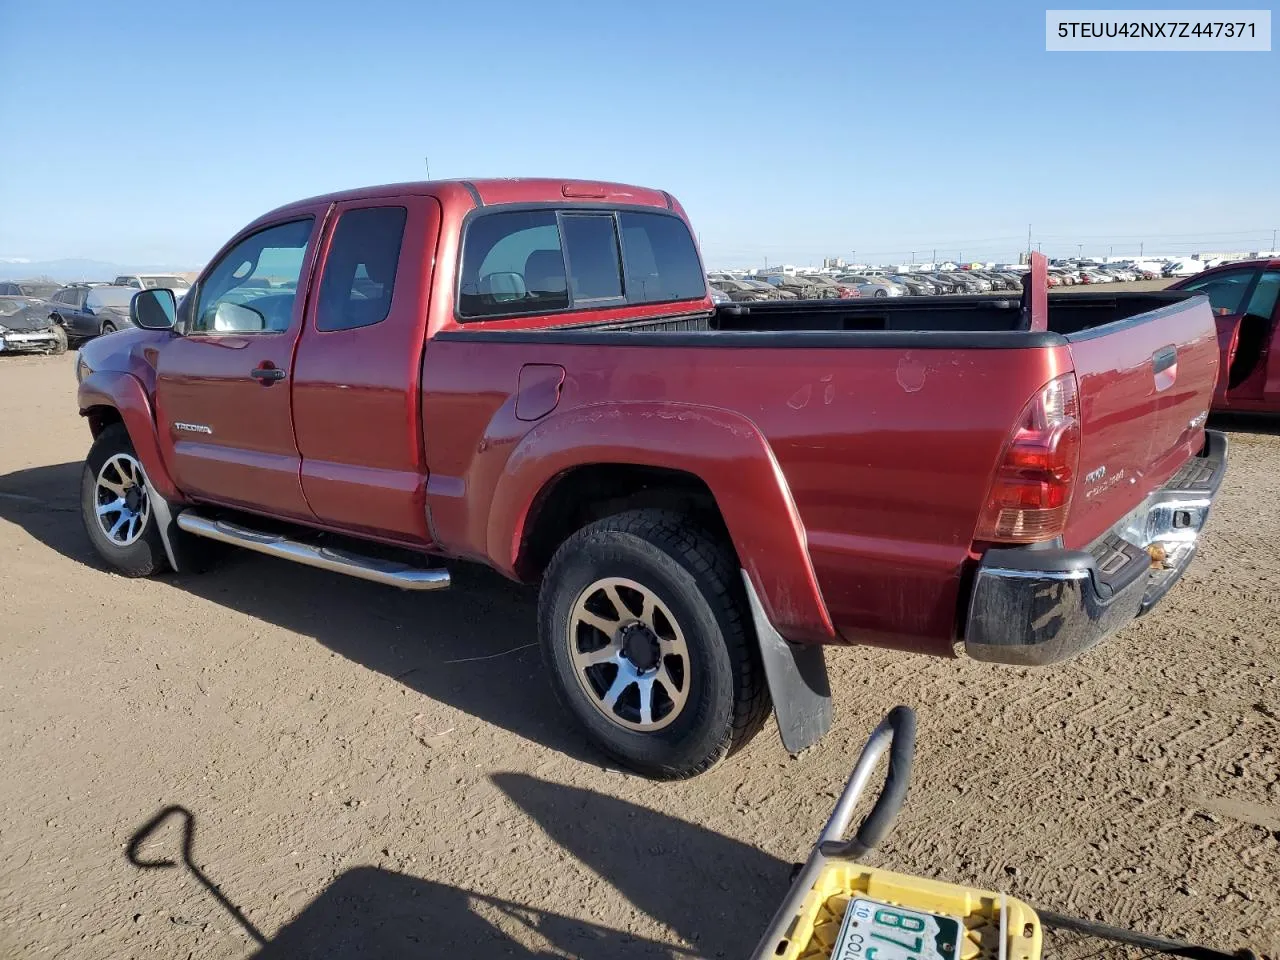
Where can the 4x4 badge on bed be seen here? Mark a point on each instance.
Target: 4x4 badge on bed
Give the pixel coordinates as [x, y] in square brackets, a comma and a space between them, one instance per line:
[1093, 476]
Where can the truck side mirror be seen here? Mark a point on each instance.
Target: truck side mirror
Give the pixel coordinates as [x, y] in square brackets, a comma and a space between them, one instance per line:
[155, 309]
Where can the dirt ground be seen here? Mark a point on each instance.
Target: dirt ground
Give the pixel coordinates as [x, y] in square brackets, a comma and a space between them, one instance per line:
[376, 774]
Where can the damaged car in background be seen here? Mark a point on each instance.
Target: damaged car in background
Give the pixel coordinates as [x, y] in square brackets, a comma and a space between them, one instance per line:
[26, 327]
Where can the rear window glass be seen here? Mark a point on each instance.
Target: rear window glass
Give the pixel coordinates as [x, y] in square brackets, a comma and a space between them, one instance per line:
[360, 270]
[661, 260]
[513, 263]
[592, 245]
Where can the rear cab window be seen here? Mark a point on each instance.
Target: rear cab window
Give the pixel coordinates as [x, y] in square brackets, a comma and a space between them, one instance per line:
[521, 262]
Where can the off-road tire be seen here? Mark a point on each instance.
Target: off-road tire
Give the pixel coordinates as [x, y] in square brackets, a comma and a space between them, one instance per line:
[145, 556]
[696, 578]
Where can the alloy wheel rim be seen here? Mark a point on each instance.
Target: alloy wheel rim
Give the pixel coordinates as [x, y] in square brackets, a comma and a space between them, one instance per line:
[121, 503]
[629, 654]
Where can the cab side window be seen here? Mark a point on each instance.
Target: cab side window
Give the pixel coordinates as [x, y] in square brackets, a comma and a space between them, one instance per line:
[1263, 302]
[360, 270]
[1225, 290]
[253, 287]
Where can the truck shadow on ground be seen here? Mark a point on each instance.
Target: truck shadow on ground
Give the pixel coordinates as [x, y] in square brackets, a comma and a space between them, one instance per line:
[709, 890]
[472, 646]
[1265, 424]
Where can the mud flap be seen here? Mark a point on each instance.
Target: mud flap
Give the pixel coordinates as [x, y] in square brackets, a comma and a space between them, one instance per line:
[797, 677]
[170, 535]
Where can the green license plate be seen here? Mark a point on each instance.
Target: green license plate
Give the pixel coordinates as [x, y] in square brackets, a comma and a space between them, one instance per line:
[880, 931]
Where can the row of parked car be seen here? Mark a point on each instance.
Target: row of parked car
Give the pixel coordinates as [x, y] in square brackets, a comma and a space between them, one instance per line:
[38, 316]
[884, 283]
[816, 286]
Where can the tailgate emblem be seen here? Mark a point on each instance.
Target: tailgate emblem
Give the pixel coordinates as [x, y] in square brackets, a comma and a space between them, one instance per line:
[1093, 476]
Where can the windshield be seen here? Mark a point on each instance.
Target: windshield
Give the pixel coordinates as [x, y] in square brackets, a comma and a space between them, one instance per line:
[110, 296]
[11, 305]
[151, 283]
[41, 290]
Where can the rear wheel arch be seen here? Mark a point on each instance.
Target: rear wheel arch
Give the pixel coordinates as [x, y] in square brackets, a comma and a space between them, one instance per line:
[585, 494]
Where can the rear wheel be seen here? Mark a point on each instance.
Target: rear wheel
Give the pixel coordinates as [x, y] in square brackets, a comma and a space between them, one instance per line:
[644, 628]
[882, 292]
[116, 506]
[60, 341]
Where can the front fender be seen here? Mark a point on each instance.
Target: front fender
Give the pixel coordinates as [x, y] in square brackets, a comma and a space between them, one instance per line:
[724, 449]
[125, 393]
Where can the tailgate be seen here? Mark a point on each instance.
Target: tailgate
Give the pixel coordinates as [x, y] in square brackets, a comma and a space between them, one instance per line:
[1146, 384]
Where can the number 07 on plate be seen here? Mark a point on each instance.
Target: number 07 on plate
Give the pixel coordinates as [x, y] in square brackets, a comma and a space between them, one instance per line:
[881, 931]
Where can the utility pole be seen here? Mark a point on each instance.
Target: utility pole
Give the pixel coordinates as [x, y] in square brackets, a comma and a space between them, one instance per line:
[1079, 250]
[1110, 250]
[427, 161]
[1029, 240]
[1140, 246]
[1273, 239]
[913, 258]
[934, 258]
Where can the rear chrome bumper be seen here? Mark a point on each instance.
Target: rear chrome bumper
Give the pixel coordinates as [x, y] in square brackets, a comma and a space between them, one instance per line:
[1040, 606]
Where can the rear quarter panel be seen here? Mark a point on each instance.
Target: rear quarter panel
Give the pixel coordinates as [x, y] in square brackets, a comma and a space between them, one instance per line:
[887, 455]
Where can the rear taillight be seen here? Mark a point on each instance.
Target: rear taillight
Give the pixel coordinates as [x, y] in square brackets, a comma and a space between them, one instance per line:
[1031, 492]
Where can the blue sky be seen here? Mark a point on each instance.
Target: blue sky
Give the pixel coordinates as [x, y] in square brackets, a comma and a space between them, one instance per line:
[148, 133]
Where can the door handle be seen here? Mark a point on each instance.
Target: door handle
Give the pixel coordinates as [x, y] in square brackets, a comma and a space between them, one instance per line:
[267, 375]
[1163, 359]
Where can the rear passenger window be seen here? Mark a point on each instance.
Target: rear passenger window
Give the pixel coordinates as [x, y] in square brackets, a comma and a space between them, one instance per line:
[662, 262]
[591, 243]
[360, 271]
[512, 263]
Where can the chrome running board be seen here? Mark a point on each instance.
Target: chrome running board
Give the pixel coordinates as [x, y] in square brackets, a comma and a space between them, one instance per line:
[388, 572]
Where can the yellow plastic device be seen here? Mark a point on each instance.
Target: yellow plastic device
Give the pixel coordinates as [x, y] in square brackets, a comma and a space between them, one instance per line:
[807, 926]
[997, 926]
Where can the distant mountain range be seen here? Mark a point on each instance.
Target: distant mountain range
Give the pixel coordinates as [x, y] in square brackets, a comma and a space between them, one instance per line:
[64, 271]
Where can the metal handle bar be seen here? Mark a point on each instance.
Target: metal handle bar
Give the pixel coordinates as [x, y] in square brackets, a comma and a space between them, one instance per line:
[896, 733]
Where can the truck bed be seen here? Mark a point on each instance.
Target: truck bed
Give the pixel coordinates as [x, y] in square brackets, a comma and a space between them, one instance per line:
[1068, 314]
[885, 418]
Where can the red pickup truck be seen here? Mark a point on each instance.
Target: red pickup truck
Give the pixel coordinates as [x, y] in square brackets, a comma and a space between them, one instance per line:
[1243, 297]
[531, 374]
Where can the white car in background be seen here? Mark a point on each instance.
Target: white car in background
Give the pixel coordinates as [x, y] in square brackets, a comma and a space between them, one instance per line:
[154, 281]
[1183, 268]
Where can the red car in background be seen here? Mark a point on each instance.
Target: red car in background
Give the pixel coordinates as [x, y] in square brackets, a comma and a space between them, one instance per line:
[1244, 297]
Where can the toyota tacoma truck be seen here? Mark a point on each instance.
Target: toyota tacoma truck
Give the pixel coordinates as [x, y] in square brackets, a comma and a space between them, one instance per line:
[530, 374]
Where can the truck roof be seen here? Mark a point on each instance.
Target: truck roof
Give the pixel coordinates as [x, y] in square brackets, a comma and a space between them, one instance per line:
[501, 190]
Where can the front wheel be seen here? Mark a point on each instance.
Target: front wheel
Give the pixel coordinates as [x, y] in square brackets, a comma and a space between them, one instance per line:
[882, 293]
[60, 341]
[108, 327]
[116, 506]
[644, 629]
